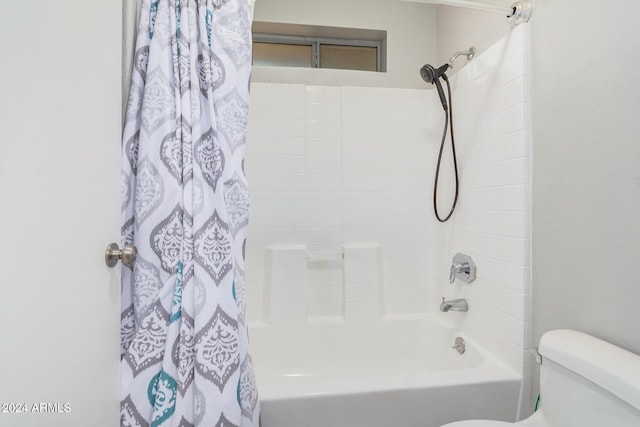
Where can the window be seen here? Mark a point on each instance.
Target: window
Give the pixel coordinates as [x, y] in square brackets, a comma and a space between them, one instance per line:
[282, 54]
[307, 46]
[349, 57]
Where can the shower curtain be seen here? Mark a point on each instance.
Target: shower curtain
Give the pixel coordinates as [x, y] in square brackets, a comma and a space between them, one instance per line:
[184, 355]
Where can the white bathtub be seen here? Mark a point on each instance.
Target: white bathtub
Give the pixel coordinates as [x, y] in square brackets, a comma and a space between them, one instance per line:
[394, 372]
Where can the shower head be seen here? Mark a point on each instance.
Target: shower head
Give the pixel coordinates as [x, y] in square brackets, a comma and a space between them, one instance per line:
[428, 73]
[432, 75]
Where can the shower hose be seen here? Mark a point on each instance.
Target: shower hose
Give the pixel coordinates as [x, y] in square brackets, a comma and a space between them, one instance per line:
[448, 124]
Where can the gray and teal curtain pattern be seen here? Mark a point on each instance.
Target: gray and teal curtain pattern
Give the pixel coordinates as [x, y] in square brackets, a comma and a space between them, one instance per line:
[185, 357]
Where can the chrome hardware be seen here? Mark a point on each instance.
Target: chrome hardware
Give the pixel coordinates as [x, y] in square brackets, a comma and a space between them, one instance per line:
[462, 267]
[468, 53]
[537, 356]
[454, 305]
[113, 253]
[459, 345]
[520, 12]
[457, 268]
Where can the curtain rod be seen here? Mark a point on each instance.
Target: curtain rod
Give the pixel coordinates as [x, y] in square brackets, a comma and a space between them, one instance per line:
[519, 12]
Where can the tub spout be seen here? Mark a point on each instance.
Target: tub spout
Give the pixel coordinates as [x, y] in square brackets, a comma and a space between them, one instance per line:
[454, 305]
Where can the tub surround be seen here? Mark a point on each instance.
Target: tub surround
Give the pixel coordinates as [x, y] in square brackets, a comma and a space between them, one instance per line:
[338, 170]
[346, 264]
[396, 371]
[349, 170]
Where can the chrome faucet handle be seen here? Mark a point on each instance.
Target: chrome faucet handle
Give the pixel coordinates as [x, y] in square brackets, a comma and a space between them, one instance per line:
[455, 269]
[462, 267]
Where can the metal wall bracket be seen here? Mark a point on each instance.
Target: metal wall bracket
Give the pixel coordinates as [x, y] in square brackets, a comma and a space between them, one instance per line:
[520, 12]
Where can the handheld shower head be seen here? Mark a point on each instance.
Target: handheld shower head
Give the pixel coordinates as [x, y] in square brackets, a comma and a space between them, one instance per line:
[428, 73]
[432, 75]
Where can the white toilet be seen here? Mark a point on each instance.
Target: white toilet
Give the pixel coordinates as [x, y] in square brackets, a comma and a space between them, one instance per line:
[584, 382]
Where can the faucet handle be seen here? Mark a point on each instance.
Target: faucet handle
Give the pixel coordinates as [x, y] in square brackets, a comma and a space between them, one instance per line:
[452, 274]
[462, 267]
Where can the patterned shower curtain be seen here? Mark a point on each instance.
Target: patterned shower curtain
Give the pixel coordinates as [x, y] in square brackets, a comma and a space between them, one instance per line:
[185, 359]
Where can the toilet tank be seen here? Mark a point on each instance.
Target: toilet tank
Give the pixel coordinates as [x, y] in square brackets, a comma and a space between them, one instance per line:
[587, 382]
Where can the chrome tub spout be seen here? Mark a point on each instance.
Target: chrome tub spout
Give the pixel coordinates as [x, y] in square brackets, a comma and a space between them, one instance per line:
[454, 305]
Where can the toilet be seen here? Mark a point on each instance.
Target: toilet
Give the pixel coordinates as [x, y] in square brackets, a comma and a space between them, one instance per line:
[584, 382]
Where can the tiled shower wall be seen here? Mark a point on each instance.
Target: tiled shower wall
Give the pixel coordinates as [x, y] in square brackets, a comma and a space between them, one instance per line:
[341, 219]
[340, 183]
[492, 221]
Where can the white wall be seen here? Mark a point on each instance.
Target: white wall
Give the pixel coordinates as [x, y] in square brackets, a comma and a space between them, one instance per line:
[411, 38]
[586, 180]
[460, 28]
[60, 188]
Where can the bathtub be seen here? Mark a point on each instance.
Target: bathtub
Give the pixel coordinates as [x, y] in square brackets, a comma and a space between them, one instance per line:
[392, 372]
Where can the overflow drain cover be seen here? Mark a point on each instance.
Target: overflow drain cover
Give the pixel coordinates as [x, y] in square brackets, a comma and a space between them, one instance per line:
[459, 345]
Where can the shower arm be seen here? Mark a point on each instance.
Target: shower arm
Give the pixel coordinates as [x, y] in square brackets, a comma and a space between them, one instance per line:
[468, 53]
